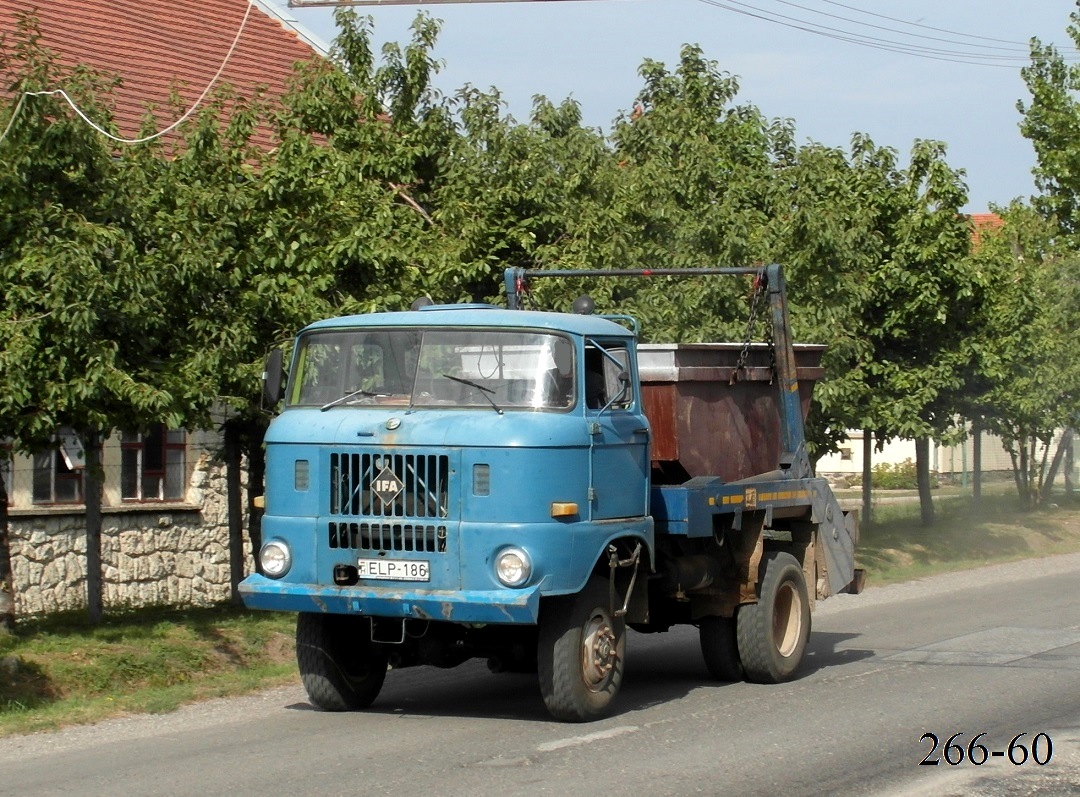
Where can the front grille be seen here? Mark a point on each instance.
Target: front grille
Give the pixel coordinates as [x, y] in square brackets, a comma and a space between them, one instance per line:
[399, 498]
[388, 537]
[424, 481]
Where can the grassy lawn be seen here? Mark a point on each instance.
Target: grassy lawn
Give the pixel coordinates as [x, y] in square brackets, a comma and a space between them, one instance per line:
[60, 671]
[897, 548]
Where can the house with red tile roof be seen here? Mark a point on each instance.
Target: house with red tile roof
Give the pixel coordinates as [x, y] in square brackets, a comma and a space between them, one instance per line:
[155, 46]
[165, 519]
[981, 222]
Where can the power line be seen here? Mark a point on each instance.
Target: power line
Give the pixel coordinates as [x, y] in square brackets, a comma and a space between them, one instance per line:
[840, 35]
[1017, 46]
[971, 57]
[924, 27]
[184, 117]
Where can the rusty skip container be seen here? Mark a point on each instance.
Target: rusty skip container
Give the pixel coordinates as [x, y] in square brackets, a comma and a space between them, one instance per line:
[711, 418]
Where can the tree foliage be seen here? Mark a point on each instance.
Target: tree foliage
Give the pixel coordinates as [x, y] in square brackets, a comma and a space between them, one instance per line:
[1037, 388]
[146, 283]
[1049, 121]
[1032, 387]
[85, 329]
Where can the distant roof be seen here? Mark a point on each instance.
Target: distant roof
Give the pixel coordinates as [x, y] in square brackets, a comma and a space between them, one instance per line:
[156, 44]
[983, 221]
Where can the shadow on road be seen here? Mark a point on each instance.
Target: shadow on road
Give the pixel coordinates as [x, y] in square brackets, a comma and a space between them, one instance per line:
[660, 668]
[825, 652]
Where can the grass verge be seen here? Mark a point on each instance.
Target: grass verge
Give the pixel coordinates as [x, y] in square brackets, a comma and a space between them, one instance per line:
[61, 671]
[897, 548]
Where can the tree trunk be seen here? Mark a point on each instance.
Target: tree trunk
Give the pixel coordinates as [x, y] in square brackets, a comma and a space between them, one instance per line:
[1019, 466]
[976, 464]
[1039, 473]
[256, 455]
[92, 485]
[236, 519]
[7, 581]
[1027, 458]
[922, 476]
[867, 477]
[1069, 464]
[1055, 465]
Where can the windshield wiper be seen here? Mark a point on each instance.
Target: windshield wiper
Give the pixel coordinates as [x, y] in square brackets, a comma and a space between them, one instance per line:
[484, 390]
[347, 396]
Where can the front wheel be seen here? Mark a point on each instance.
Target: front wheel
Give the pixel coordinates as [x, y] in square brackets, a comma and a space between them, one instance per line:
[581, 653]
[773, 632]
[341, 668]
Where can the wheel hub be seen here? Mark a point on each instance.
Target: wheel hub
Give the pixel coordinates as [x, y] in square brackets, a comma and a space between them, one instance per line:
[787, 620]
[599, 652]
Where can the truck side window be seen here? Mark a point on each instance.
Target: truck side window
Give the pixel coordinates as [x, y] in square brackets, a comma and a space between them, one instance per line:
[604, 377]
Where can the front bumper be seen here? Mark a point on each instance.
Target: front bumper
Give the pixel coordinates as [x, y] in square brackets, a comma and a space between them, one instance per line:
[459, 606]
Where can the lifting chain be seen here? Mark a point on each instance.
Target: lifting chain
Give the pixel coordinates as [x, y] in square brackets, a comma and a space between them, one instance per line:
[523, 290]
[756, 301]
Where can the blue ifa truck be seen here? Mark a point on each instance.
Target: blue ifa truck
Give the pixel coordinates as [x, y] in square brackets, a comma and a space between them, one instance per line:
[463, 481]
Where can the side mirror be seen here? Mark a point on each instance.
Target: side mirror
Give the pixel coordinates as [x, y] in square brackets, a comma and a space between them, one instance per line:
[273, 379]
[620, 400]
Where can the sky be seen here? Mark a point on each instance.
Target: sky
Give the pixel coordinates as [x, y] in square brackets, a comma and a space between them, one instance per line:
[831, 86]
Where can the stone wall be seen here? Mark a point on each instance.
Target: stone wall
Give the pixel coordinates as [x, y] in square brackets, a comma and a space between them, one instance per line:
[176, 554]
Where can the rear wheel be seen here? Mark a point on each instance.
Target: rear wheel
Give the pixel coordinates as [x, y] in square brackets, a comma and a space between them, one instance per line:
[720, 648]
[341, 668]
[581, 653]
[773, 632]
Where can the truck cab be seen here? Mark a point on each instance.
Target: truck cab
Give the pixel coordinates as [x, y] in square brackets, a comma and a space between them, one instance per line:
[435, 475]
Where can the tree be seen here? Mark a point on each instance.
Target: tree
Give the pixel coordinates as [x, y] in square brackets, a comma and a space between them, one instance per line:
[1049, 121]
[922, 303]
[875, 252]
[1031, 376]
[255, 245]
[85, 328]
[695, 173]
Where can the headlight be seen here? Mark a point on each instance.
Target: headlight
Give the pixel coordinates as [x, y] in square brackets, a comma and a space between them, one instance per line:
[275, 559]
[513, 567]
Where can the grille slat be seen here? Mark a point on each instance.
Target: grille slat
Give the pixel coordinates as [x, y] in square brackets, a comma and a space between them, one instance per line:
[424, 481]
[398, 495]
[388, 537]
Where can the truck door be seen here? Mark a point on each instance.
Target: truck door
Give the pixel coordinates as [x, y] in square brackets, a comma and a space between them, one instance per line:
[619, 432]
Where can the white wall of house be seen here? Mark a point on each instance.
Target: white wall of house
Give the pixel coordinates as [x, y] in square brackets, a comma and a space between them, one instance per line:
[954, 461]
[154, 550]
[849, 460]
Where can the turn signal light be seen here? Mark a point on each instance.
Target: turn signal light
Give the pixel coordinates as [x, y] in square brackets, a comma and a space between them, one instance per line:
[564, 508]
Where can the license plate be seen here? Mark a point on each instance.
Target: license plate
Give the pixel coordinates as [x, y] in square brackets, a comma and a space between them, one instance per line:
[394, 569]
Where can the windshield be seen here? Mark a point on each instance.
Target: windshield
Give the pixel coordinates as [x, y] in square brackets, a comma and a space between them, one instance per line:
[497, 369]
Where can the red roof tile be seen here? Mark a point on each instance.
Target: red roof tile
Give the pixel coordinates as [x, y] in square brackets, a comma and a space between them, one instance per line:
[983, 221]
[156, 44]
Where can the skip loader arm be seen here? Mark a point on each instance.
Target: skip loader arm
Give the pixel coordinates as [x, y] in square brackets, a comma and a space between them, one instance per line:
[771, 277]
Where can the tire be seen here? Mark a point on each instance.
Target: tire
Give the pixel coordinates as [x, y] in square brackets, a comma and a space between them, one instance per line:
[341, 668]
[720, 648]
[772, 633]
[581, 654]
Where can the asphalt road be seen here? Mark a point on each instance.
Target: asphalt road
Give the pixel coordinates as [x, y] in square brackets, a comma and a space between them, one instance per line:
[993, 651]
